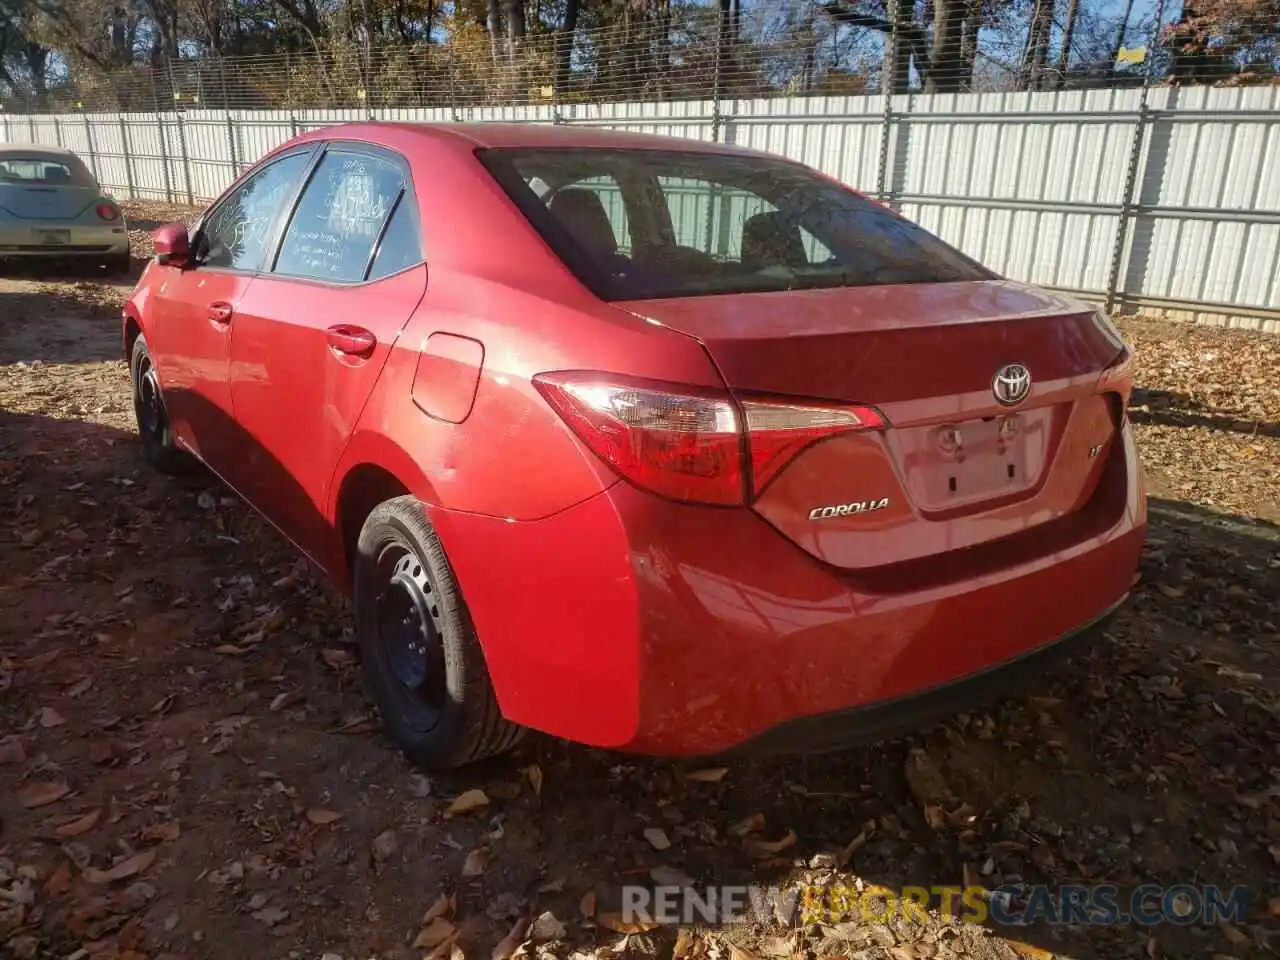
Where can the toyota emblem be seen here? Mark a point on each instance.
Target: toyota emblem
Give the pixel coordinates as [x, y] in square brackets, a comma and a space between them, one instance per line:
[1011, 384]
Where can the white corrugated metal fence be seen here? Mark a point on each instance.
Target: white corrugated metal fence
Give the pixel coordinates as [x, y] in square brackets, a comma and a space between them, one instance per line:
[1166, 201]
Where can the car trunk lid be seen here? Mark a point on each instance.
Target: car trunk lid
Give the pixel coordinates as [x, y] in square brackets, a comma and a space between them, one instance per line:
[956, 467]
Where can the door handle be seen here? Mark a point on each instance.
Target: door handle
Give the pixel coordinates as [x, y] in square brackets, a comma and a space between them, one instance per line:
[220, 312]
[351, 341]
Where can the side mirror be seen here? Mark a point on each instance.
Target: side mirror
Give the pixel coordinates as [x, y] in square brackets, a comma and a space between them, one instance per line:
[172, 244]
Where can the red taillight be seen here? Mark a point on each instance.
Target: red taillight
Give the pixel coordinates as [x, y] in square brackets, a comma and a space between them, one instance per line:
[778, 431]
[107, 211]
[690, 443]
[1117, 382]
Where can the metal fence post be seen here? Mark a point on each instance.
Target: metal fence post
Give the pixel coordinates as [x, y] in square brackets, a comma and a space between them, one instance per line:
[231, 145]
[186, 159]
[1127, 204]
[717, 79]
[1133, 174]
[31, 125]
[164, 157]
[5, 118]
[93, 154]
[57, 130]
[889, 71]
[128, 160]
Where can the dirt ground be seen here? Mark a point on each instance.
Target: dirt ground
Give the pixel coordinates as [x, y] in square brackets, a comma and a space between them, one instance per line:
[189, 768]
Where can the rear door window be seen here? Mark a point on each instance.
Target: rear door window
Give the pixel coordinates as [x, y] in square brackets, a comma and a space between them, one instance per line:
[707, 223]
[340, 217]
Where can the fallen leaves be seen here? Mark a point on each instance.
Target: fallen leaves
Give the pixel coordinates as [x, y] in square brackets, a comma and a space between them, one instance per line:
[385, 846]
[123, 870]
[709, 775]
[322, 817]
[763, 849]
[546, 927]
[437, 931]
[657, 838]
[752, 823]
[336, 658]
[466, 802]
[613, 920]
[271, 916]
[533, 773]
[924, 779]
[43, 792]
[79, 826]
[50, 718]
[12, 751]
[475, 863]
[508, 944]
[162, 832]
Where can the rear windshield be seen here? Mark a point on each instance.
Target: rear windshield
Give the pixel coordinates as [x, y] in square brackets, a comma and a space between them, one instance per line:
[44, 171]
[639, 224]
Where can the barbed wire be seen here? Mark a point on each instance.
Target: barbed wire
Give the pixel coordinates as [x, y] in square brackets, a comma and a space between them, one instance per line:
[692, 53]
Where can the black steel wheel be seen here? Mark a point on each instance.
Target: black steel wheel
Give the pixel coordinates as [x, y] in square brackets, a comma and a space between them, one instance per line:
[150, 413]
[422, 660]
[409, 635]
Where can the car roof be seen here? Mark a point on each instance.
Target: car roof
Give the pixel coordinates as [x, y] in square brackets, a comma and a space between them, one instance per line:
[30, 151]
[499, 135]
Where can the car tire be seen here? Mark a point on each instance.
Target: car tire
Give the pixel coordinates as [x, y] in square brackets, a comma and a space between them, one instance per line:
[152, 418]
[421, 658]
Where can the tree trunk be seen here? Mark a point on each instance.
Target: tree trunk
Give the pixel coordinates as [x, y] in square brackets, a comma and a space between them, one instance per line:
[897, 48]
[493, 22]
[1036, 52]
[564, 45]
[946, 60]
[969, 44]
[1068, 35]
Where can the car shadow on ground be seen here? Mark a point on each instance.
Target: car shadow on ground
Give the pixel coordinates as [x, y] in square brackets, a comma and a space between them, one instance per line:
[1144, 760]
[1171, 408]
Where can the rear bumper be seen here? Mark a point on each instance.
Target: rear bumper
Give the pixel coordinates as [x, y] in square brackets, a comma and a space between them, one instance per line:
[634, 623]
[883, 721]
[81, 241]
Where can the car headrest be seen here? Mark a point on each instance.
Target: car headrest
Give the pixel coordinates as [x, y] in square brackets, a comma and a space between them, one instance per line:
[583, 215]
[769, 240]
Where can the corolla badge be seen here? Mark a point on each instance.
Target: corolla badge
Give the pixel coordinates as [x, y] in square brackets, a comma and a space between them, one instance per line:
[847, 509]
[1011, 384]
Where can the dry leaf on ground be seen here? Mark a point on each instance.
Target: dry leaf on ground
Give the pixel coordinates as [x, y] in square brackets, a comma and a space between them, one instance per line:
[43, 793]
[657, 838]
[435, 932]
[468, 801]
[80, 825]
[129, 867]
[760, 849]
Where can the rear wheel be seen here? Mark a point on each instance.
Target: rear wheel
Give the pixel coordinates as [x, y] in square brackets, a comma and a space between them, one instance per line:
[422, 661]
[149, 410]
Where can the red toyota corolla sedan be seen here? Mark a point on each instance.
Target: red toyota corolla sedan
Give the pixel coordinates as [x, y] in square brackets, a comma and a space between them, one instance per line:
[652, 444]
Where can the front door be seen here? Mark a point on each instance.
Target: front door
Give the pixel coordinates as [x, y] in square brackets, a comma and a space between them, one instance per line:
[196, 306]
[313, 332]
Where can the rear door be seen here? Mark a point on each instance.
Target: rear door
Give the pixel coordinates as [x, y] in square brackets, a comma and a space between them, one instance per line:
[193, 308]
[314, 330]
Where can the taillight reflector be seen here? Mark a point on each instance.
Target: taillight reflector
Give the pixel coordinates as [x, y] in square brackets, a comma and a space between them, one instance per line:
[689, 443]
[107, 211]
